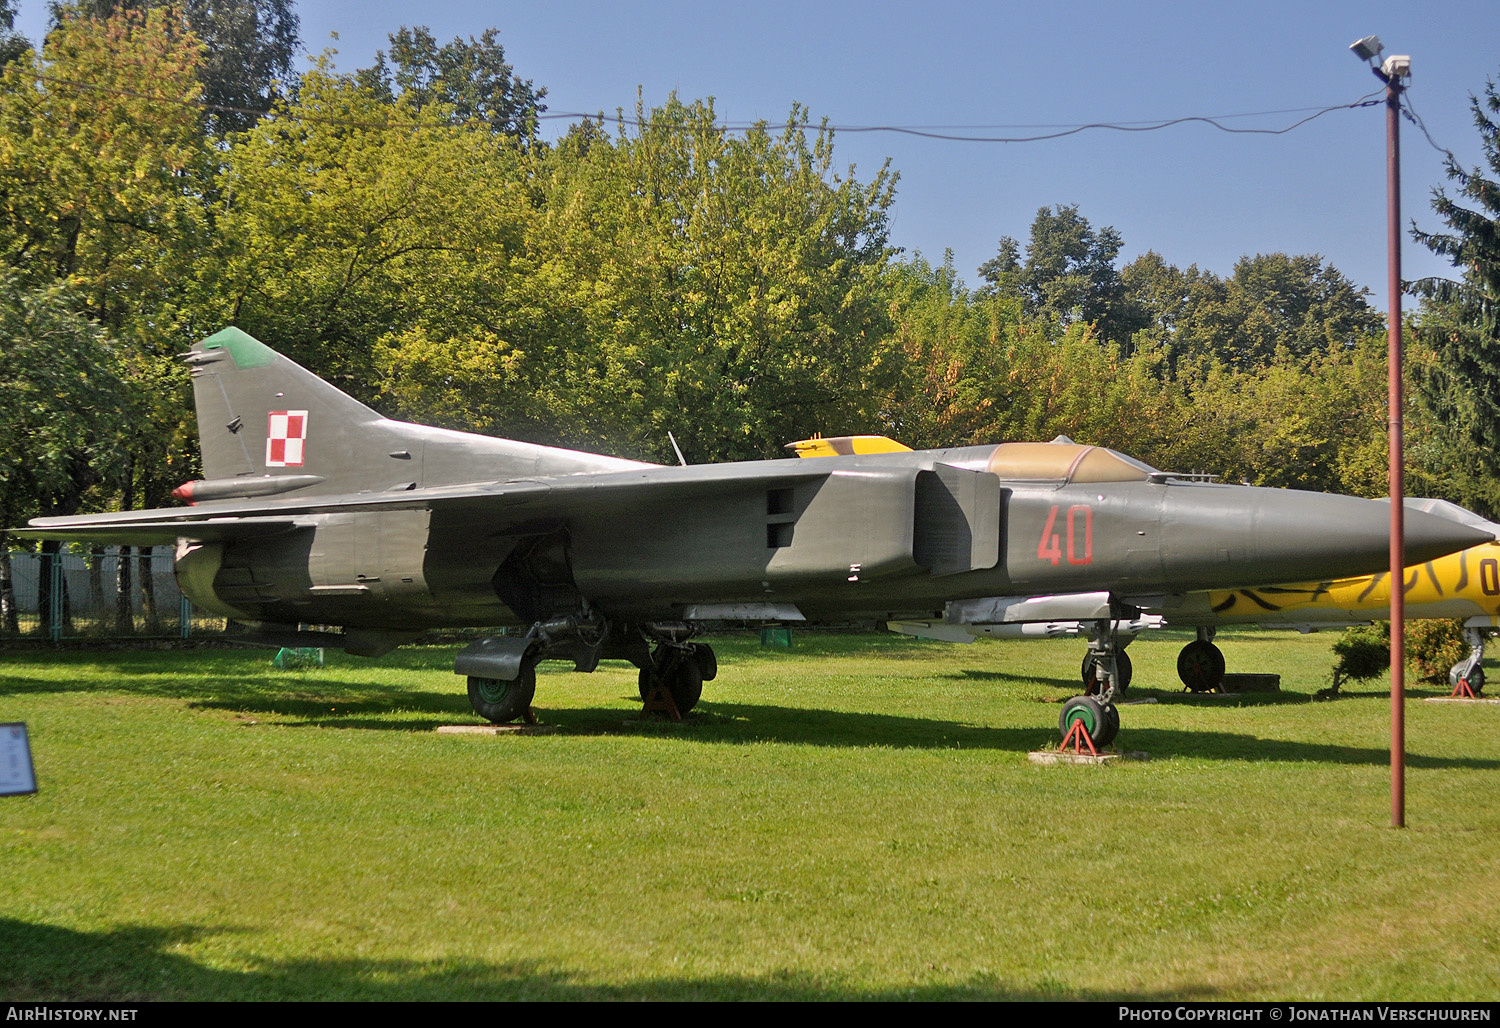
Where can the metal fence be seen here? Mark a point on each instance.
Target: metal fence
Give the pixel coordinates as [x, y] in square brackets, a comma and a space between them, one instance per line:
[76, 594]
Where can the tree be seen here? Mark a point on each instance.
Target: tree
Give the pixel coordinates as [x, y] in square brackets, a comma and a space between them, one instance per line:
[1298, 303]
[1460, 318]
[349, 218]
[470, 79]
[12, 43]
[1166, 297]
[943, 346]
[249, 46]
[100, 187]
[65, 404]
[97, 181]
[1069, 273]
[1297, 422]
[1002, 272]
[680, 278]
[1272, 303]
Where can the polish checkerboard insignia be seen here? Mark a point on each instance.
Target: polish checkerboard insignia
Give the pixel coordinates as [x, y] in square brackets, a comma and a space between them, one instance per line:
[285, 436]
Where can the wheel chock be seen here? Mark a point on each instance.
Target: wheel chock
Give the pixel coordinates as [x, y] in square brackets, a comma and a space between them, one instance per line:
[529, 717]
[659, 701]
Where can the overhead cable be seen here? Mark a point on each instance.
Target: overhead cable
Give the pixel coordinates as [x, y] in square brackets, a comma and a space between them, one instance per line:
[924, 132]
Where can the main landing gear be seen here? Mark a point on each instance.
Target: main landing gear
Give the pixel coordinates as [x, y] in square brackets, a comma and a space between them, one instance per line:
[1200, 665]
[497, 700]
[502, 669]
[1104, 677]
[676, 672]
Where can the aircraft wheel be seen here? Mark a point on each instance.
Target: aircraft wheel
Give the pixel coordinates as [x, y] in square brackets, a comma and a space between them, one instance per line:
[1100, 720]
[1111, 723]
[500, 701]
[708, 663]
[1122, 668]
[1200, 665]
[684, 682]
[1476, 678]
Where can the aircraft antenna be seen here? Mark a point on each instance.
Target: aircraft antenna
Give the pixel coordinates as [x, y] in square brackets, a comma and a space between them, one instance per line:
[680, 458]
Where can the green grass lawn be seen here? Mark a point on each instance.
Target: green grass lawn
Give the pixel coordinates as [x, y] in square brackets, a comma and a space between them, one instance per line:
[855, 818]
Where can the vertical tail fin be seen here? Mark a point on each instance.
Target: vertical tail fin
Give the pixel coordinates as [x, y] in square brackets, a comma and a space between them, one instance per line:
[268, 425]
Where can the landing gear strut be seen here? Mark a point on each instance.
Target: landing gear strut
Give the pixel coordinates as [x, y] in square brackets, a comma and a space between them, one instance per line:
[1091, 672]
[1468, 669]
[1200, 665]
[1096, 713]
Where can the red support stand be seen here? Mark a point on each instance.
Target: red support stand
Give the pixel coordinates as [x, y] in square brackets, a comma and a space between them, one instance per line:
[659, 700]
[1078, 738]
[1462, 689]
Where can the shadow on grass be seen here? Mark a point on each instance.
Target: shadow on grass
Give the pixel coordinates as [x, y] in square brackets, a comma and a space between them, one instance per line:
[973, 675]
[745, 723]
[284, 695]
[316, 701]
[136, 963]
[1161, 743]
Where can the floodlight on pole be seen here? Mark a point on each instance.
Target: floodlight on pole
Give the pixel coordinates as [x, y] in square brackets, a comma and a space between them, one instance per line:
[1367, 49]
[1395, 68]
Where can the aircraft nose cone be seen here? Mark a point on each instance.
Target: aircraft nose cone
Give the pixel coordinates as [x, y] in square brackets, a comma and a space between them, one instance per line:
[1429, 536]
[1252, 536]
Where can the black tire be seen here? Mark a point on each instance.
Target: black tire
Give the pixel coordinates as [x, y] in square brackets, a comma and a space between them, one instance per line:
[684, 682]
[1100, 720]
[1476, 681]
[1111, 725]
[1200, 665]
[708, 663]
[686, 685]
[500, 701]
[1122, 667]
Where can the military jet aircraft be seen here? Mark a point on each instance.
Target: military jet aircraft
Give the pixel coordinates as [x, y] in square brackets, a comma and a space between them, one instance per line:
[316, 510]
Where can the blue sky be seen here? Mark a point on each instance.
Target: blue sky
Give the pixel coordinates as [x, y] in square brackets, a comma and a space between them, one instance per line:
[1192, 193]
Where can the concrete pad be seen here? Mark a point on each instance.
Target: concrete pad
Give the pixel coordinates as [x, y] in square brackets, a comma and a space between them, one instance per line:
[1135, 703]
[496, 729]
[1460, 699]
[1047, 758]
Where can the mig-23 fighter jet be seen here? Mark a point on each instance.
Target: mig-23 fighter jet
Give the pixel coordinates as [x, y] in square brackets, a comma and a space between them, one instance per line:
[316, 510]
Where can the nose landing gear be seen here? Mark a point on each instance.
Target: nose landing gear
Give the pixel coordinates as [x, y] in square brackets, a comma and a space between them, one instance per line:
[1095, 715]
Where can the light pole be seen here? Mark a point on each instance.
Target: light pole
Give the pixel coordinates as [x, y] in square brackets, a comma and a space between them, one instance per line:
[1394, 69]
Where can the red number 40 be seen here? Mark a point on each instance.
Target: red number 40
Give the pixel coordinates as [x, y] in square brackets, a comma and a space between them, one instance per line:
[1080, 530]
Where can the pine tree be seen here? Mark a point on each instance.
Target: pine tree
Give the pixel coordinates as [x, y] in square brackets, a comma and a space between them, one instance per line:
[1458, 318]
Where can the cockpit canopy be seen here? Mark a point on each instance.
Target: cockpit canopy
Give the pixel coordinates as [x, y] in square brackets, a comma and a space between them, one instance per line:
[1066, 462]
